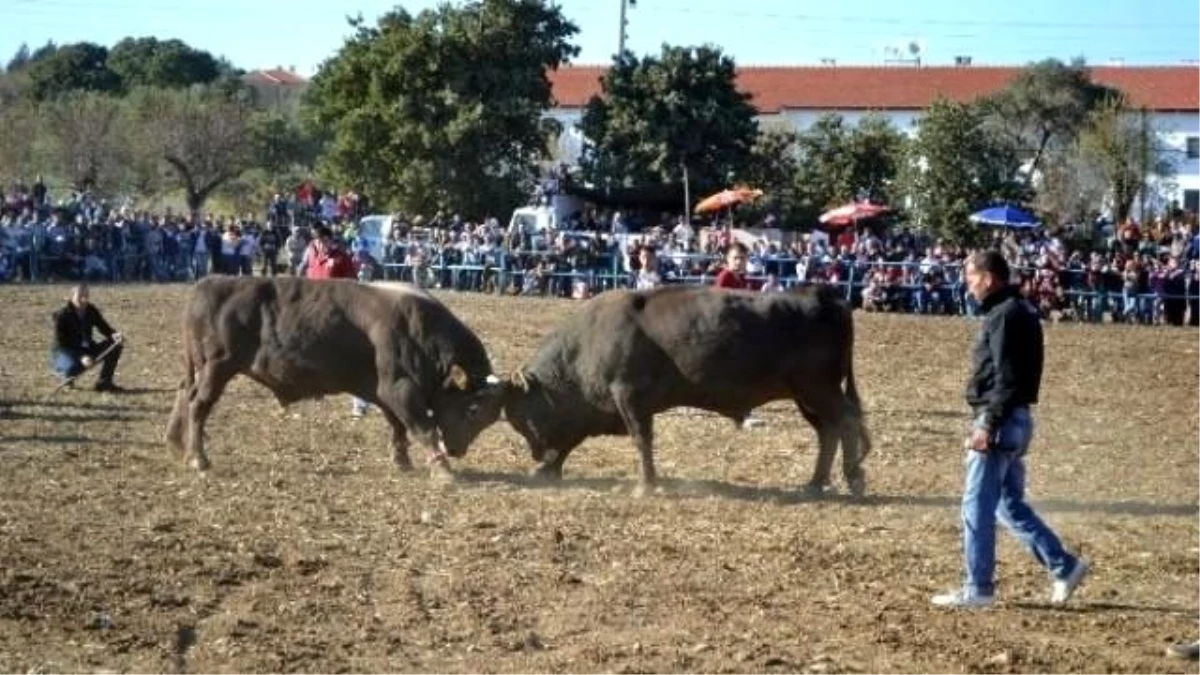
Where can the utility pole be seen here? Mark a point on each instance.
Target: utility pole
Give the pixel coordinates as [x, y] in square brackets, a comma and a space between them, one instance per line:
[1144, 169]
[621, 40]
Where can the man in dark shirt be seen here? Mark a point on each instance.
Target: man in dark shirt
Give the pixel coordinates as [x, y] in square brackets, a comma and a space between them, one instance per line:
[74, 346]
[1007, 372]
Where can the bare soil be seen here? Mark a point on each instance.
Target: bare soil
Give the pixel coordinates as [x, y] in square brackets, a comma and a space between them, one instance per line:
[305, 550]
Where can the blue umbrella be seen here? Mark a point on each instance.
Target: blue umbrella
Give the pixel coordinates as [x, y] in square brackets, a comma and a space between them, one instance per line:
[1005, 216]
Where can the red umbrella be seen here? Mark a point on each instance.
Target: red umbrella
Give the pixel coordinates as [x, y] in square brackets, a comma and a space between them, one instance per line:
[852, 213]
[726, 198]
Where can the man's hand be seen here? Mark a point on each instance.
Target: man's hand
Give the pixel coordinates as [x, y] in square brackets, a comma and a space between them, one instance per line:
[979, 440]
[116, 337]
[87, 361]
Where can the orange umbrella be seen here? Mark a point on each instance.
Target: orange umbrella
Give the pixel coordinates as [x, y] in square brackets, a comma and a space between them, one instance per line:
[727, 198]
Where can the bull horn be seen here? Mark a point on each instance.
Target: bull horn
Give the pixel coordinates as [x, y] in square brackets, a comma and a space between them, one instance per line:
[518, 378]
[492, 379]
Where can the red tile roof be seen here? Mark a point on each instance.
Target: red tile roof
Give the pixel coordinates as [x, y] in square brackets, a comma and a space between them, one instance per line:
[1161, 88]
[277, 76]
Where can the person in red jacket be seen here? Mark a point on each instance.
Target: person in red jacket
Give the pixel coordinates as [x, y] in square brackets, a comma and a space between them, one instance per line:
[734, 274]
[327, 259]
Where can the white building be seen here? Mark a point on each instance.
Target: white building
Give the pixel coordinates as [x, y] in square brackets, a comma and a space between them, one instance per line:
[798, 95]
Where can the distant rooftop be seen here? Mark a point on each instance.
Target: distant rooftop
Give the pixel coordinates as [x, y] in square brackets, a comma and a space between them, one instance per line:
[904, 87]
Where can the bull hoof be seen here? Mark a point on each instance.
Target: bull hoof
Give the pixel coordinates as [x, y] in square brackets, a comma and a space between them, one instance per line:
[644, 490]
[440, 472]
[547, 473]
[200, 464]
[858, 487]
[816, 490]
[403, 465]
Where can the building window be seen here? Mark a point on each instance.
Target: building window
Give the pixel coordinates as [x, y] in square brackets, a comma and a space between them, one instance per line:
[1193, 147]
[1191, 201]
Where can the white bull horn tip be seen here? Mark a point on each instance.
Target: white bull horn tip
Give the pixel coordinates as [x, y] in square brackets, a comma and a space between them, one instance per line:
[492, 379]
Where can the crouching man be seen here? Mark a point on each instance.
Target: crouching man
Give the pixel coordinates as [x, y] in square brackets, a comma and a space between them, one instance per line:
[75, 349]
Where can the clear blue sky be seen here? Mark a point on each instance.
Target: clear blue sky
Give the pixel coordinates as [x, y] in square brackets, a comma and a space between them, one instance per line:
[303, 33]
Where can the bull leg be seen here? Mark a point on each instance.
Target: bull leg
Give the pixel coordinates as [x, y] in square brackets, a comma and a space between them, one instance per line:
[827, 442]
[641, 427]
[551, 467]
[399, 441]
[408, 406]
[208, 389]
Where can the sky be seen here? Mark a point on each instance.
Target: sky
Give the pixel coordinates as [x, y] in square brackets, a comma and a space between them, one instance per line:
[303, 33]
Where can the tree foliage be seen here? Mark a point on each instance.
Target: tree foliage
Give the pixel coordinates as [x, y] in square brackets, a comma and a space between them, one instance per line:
[773, 165]
[657, 115]
[839, 163]
[1044, 109]
[18, 130]
[169, 64]
[83, 139]
[78, 66]
[1126, 153]
[955, 167]
[442, 109]
[195, 137]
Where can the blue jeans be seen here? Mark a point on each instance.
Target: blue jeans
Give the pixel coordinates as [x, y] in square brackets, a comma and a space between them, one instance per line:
[995, 489]
[70, 364]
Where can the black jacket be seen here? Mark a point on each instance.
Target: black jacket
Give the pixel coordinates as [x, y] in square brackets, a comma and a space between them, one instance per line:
[1007, 359]
[72, 331]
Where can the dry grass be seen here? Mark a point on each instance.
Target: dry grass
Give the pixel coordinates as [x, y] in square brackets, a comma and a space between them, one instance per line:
[305, 551]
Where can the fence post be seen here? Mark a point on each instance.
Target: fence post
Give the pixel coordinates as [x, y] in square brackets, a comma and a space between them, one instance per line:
[500, 271]
[850, 284]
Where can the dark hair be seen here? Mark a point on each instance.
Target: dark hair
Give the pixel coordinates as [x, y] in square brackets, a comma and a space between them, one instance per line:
[993, 263]
[323, 232]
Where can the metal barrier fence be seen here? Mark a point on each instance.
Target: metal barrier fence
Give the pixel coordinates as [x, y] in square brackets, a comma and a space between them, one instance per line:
[508, 272]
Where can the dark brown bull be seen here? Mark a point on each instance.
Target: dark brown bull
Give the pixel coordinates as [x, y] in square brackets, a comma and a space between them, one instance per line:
[390, 344]
[627, 355]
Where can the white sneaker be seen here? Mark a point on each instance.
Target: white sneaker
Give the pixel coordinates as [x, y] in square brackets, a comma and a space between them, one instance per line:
[357, 413]
[961, 599]
[1063, 589]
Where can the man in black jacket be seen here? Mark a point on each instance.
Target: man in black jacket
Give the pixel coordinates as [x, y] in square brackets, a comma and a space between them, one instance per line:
[74, 346]
[1007, 374]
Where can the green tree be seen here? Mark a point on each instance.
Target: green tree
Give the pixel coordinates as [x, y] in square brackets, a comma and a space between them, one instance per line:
[79, 66]
[955, 167]
[193, 139]
[442, 109]
[826, 171]
[657, 115]
[18, 130]
[280, 143]
[1124, 150]
[877, 149]
[773, 165]
[147, 62]
[82, 139]
[831, 163]
[1044, 108]
[20, 59]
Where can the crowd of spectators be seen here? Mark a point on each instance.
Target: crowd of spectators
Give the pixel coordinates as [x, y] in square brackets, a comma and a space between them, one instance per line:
[1130, 273]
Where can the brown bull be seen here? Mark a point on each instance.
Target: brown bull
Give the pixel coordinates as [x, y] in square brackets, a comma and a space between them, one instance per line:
[389, 344]
[627, 355]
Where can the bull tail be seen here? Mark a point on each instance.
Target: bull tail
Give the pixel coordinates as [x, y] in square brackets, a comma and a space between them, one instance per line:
[178, 422]
[856, 412]
[853, 402]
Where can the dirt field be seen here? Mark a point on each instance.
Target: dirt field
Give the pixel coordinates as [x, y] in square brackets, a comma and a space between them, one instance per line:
[304, 550]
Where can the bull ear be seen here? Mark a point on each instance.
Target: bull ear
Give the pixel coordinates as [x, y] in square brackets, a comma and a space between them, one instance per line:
[458, 378]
